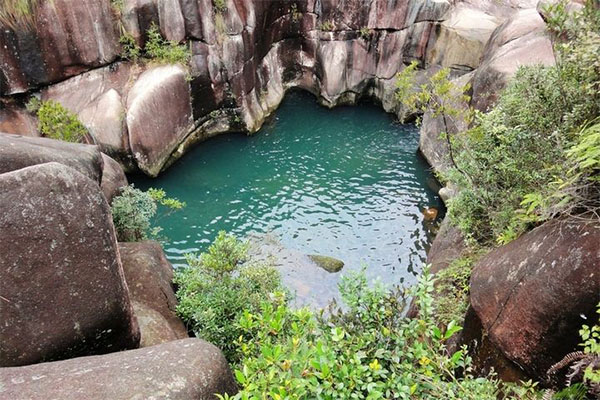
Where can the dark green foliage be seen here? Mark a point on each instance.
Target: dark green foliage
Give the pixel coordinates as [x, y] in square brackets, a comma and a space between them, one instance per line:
[129, 48]
[133, 211]
[535, 155]
[57, 122]
[215, 290]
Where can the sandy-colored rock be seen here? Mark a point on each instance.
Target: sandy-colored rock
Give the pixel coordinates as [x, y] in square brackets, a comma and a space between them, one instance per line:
[462, 37]
[531, 294]
[181, 370]
[63, 290]
[159, 116]
[18, 152]
[150, 279]
[522, 40]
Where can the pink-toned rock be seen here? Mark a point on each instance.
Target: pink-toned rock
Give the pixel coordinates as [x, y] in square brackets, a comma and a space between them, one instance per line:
[18, 152]
[150, 279]
[113, 178]
[17, 120]
[533, 295]
[181, 370]
[63, 290]
[159, 116]
[66, 39]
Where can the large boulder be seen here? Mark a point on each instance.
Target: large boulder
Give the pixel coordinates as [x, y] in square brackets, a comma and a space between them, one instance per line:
[461, 38]
[181, 370]
[533, 295]
[150, 277]
[62, 284]
[18, 152]
[521, 40]
[113, 178]
[159, 116]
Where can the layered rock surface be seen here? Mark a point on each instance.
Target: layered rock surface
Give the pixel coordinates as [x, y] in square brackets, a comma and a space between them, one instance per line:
[63, 293]
[246, 56]
[180, 370]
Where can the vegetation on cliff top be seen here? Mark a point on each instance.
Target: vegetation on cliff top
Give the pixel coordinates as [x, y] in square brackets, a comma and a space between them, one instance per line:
[134, 210]
[16, 14]
[56, 122]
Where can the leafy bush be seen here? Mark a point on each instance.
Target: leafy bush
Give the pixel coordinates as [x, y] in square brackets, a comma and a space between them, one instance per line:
[16, 14]
[163, 50]
[535, 155]
[134, 209]
[452, 291]
[57, 122]
[129, 48]
[215, 290]
[365, 351]
[220, 5]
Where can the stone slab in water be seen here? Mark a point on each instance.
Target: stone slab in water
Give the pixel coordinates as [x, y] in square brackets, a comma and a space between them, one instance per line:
[180, 370]
[61, 280]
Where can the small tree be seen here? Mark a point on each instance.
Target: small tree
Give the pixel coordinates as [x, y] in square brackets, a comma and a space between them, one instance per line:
[133, 210]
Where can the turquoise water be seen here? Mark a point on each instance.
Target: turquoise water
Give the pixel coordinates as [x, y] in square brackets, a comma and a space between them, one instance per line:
[345, 182]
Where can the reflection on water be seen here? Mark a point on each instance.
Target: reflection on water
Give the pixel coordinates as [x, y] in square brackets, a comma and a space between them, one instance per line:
[345, 182]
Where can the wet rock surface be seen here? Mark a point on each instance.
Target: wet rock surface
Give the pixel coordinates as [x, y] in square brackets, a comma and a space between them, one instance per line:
[180, 370]
[62, 284]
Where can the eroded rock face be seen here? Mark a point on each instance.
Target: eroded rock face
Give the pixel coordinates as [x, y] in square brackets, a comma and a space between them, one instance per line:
[180, 370]
[150, 277]
[530, 294]
[246, 56]
[62, 284]
[159, 116]
[64, 39]
[18, 152]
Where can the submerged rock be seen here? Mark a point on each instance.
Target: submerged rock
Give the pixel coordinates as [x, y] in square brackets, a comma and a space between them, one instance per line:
[329, 264]
[149, 276]
[533, 295]
[62, 285]
[180, 370]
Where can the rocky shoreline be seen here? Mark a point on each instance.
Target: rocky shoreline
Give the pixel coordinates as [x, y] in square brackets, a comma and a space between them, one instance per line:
[69, 289]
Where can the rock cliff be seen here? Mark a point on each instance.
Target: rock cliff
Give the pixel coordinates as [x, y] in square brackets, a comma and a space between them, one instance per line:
[245, 56]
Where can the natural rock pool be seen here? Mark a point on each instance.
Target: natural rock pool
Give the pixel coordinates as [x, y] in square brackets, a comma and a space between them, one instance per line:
[345, 182]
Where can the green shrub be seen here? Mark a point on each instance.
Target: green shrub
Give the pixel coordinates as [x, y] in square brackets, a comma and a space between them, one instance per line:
[163, 50]
[57, 122]
[452, 291]
[129, 47]
[133, 211]
[535, 155]
[220, 5]
[215, 290]
[326, 26]
[16, 14]
[364, 351]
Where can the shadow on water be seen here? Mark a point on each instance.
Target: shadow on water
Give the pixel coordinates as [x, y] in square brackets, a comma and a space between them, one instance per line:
[346, 182]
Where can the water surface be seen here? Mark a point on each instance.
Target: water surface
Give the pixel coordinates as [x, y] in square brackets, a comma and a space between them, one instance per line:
[345, 182]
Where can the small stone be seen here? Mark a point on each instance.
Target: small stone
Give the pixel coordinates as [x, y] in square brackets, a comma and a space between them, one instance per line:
[430, 213]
